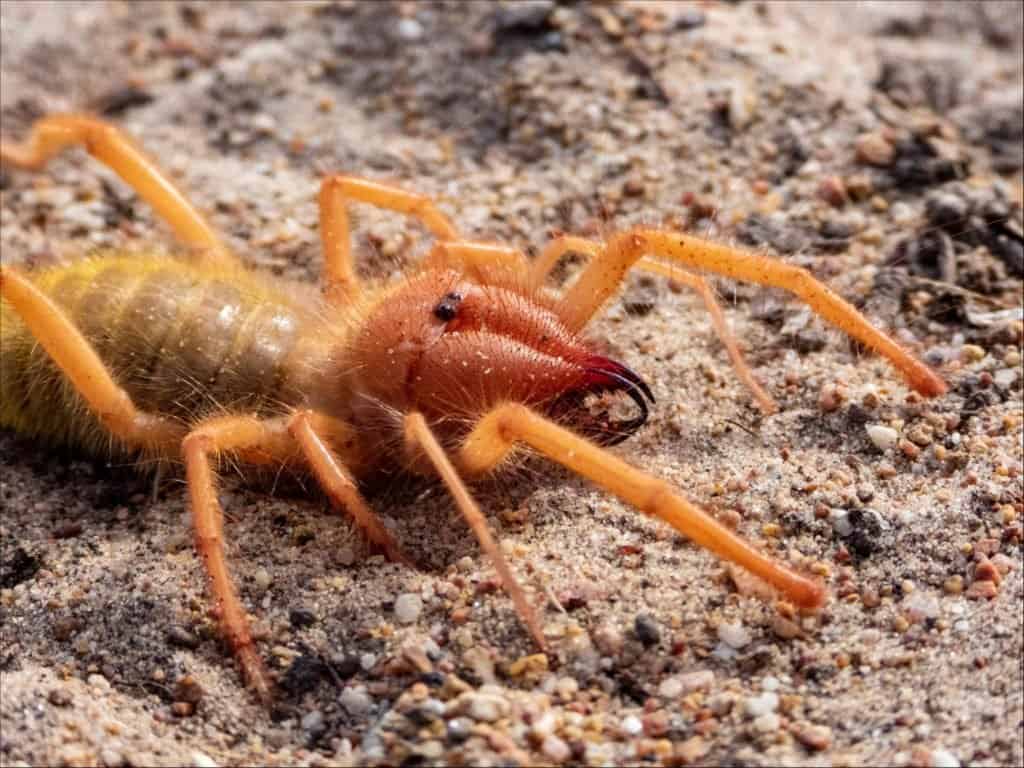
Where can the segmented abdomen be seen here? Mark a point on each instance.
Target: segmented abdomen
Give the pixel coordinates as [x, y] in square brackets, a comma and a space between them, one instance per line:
[183, 340]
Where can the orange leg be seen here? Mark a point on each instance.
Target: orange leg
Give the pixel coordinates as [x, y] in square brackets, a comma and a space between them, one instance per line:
[477, 259]
[207, 441]
[79, 362]
[114, 149]
[336, 192]
[260, 442]
[555, 250]
[314, 433]
[558, 247]
[419, 438]
[707, 293]
[497, 433]
[605, 273]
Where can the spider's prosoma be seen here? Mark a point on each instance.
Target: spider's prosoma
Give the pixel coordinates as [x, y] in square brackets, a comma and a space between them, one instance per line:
[445, 370]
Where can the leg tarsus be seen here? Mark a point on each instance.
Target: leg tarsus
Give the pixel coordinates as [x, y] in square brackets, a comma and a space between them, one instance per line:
[307, 428]
[420, 438]
[114, 149]
[707, 294]
[209, 440]
[496, 434]
[604, 274]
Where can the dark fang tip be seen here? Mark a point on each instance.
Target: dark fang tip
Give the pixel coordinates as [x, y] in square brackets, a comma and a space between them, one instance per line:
[615, 377]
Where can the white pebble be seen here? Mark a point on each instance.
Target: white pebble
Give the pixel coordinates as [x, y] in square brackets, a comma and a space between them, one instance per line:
[733, 634]
[882, 436]
[767, 723]
[670, 688]
[555, 749]
[943, 758]
[408, 608]
[695, 681]
[841, 522]
[202, 760]
[410, 29]
[632, 726]
[770, 683]
[355, 700]
[1004, 377]
[756, 706]
[485, 707]
[262, 579]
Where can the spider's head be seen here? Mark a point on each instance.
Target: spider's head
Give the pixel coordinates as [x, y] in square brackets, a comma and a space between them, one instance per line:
[454, 348]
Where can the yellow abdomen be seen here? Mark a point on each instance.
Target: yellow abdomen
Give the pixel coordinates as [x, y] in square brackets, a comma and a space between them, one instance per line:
[184, 340]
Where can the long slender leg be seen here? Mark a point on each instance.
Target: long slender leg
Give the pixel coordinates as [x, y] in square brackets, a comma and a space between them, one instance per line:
[340, 281]
[206, 442]
[76, 358]
[497, 433]
[114, 149]
[418, 436]
[313, 432]
[604, 274]
[563, 244]
[707, 293]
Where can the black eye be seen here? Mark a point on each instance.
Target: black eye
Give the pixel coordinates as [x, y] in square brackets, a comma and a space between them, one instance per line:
[448, 307]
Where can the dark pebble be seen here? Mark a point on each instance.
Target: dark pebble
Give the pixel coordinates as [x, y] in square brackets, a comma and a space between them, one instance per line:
[458, 730]
[646, 629]
[301, 617]
[304, 675]
[67, 530]
[346, 666]
[433, 679]
[182, 638]
[945, 209]
[59, 697]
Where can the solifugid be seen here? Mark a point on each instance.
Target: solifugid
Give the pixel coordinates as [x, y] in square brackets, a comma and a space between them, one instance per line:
[445, 370]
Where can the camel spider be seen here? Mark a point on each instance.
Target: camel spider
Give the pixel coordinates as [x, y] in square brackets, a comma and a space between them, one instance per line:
[445, 370]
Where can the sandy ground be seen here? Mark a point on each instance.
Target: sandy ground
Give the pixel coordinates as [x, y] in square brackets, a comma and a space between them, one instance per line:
[877, 145]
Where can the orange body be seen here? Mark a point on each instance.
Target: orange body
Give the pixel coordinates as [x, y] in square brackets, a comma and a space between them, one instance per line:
[192, 341]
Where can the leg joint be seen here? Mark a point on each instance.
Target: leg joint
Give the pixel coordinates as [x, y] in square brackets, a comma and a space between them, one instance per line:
[654, 501]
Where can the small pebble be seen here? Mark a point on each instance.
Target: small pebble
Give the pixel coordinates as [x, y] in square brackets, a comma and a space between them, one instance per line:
[262, 579]
[670, 688]
[943, 758]
[733, 634]
[485, 707]
[408, 608]
[355, 700]
[555, 749]
[313, 722]
[646, 629]
[632, 726]
[59, 697]
[972, 353]
[882, 436]
[874, 149]
[410, 29]
[767, 723]
[756, 706]
[840, 520]
[816, 737]
[202, 760]
[608, 639]
[695, 681]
